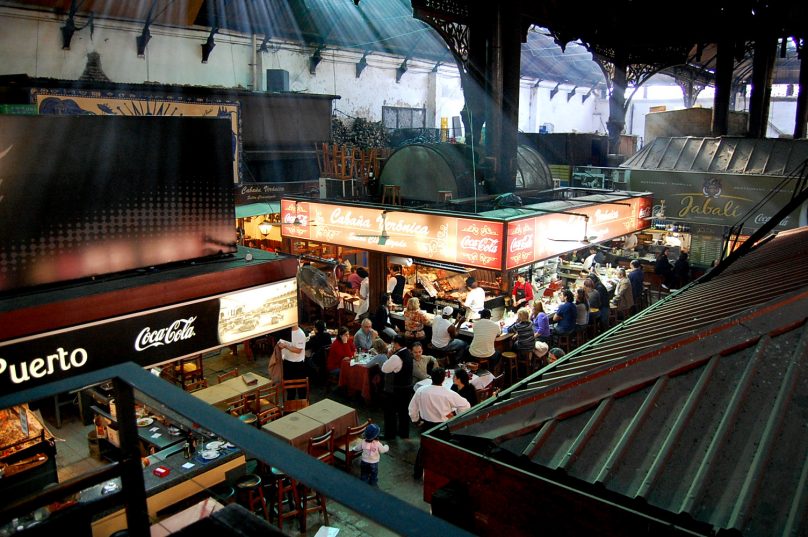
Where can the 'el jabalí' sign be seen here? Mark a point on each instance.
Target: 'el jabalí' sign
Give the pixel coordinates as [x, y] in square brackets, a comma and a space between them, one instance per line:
[147, 338]
[717, 199]
[469, 242]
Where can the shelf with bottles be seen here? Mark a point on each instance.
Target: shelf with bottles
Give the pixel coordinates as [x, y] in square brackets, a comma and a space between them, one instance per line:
[669, 225]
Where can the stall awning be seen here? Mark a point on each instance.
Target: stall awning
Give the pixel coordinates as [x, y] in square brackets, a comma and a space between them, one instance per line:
[257, 209]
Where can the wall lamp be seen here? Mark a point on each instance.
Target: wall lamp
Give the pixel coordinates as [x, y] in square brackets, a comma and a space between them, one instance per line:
[208, 45]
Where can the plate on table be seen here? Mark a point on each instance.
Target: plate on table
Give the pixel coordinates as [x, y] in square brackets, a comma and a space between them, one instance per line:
[214, 446]
[144, 422]
[209, 454]
[174, 431]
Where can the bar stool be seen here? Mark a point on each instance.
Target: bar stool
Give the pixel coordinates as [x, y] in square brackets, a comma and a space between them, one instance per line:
[565, 341]
[394, 191]
[249, 485]
[286, 490]
[444, 196]
[525, 359]
[510, 365]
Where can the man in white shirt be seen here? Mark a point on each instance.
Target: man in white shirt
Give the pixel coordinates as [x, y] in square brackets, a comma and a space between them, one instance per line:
[391, 280]
[397, 371]
[475, 299]
[293, 354]
[486, 332]
[432, 405]
[444, 330]
[364, 294]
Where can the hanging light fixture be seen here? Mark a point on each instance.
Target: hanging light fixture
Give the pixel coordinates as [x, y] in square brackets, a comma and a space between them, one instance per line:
[208, 45]
[265, 227]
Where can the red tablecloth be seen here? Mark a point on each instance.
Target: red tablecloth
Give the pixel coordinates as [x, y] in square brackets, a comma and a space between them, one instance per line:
[356, 378]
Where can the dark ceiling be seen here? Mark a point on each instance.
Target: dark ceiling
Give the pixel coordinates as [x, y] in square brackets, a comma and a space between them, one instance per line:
[657, 33]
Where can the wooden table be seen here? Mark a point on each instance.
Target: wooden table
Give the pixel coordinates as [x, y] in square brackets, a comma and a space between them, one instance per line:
[296, 429]
[331, 414]
[217, 394]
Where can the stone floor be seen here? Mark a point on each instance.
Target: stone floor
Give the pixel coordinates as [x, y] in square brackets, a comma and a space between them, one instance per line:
[395, 471]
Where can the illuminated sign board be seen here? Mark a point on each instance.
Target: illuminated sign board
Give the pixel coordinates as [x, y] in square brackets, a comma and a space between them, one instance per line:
[150, 337]
[475, 243]
[463, 241]
[550, 234]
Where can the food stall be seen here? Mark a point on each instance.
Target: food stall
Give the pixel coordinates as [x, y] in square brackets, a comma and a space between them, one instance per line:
[702, 186]
[446, 247]
[27, 453]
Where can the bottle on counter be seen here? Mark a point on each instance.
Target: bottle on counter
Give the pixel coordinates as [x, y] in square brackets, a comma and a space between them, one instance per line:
[186, 450]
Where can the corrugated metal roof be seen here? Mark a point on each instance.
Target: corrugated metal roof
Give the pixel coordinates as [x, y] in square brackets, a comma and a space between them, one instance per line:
[766, 156]
[698, 407]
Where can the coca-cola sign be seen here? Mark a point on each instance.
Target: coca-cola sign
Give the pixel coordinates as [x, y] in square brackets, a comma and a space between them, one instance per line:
[177, 331]
[479, 243]
[148, 338]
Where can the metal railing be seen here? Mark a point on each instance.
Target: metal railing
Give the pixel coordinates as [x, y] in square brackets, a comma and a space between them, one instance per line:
[378, 506]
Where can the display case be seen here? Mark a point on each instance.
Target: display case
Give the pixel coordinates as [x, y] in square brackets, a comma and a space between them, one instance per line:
[27, 453]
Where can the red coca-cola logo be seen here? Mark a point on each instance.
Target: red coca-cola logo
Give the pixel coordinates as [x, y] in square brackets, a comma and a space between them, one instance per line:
[519, 244]
[488, 245]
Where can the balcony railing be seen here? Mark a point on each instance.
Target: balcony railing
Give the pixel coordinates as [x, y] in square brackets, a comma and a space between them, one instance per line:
[378, 506]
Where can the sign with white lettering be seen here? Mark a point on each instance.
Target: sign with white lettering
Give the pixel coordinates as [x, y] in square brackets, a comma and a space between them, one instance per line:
[258, 192]
[148, 338]
[474, 243]
[550, 234]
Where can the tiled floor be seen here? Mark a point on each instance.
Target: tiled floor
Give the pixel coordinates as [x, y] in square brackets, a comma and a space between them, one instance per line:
[395, 471]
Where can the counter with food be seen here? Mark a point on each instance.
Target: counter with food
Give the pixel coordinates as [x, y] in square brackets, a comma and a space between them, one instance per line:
[27, 453]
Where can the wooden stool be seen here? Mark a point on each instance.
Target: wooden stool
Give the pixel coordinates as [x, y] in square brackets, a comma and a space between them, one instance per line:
[394, 191]
[510, 365]
[286, 490]
[444, 196]
[565, 341]
[525, 359]
[250, 485]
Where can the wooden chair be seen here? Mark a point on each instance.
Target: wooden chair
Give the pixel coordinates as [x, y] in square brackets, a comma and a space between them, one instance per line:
[344, 444]
[242, 408]
[322, 448]
[236, 406]
[294, 386]
[189, 370]
[484, 393]
[268, 397]
[233, 373]
[270, 414]
[195, 386]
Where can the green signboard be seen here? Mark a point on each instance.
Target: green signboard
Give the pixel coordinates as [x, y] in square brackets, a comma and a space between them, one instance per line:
[717, 199]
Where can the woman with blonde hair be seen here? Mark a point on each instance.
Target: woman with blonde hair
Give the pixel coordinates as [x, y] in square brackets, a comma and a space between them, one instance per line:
[414, 320]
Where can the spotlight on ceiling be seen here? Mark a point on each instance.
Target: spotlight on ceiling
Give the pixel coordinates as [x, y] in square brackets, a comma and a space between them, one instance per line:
[142, 41]
[67, 33]
[208, 45]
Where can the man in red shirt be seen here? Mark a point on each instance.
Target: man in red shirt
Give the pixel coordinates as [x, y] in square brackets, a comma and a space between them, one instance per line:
[522, 294]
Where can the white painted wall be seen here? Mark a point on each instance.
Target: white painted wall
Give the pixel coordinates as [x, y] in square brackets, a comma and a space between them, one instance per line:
[30, 43]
